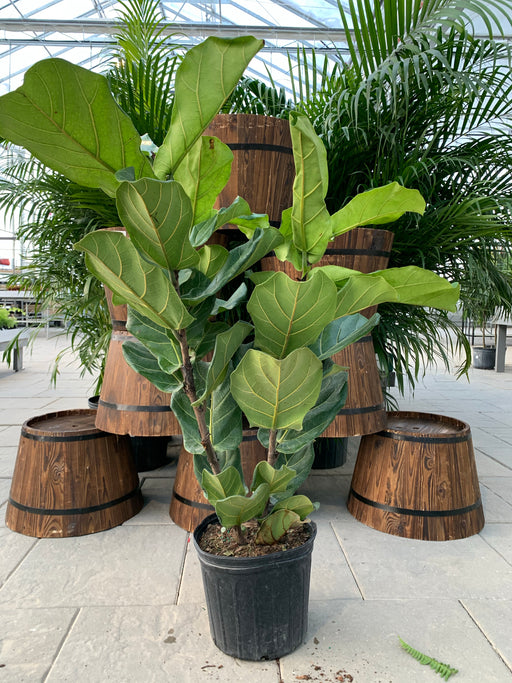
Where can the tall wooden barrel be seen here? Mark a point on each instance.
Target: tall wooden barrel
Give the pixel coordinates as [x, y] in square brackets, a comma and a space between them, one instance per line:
[70, 478]
[263, 169]
[129, 403]
[366, 250]
[417, 478]
[188, 505]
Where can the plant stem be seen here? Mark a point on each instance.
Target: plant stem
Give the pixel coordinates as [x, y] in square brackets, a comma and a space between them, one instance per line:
[272, 443]
[189, 387]
[239, 535]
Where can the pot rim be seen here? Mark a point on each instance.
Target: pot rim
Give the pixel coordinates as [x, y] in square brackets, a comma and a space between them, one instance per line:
[280, 557]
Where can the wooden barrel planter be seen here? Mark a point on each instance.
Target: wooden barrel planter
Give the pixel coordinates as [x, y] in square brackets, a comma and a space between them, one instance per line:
[70, 478]
[366, 250]
[129, 403]
[263, 168]
[188, 505]
[149, 452]
[417, 478]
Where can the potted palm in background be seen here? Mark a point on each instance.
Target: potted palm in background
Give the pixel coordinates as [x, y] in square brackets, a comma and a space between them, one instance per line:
[423, 99]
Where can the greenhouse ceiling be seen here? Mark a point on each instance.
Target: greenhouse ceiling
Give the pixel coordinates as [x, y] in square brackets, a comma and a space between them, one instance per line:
[81, 30]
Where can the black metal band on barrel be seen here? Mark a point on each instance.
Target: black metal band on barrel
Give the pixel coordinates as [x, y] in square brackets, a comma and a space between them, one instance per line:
[265, 147]
[362, 410]
[135, 409]
[192, 503]
[366, 339]
[456, 438]
[75, 511]
[119, 325]
[62, 439]
[415, 513]
[357, 252]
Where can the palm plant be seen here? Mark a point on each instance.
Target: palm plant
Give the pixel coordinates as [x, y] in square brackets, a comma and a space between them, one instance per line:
[143, 64]
[53, 213]
[425, 102]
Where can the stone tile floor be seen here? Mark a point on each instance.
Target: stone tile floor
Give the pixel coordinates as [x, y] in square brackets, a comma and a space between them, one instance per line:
[127, 606]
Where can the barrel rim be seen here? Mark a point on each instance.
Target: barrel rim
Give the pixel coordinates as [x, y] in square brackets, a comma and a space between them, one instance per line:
[463, 431]
[32, 431]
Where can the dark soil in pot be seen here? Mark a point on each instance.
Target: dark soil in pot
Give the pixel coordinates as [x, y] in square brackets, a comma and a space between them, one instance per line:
[217, 542]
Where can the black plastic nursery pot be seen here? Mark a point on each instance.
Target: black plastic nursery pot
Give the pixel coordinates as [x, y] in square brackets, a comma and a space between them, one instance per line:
[330, 452]
[257, 606]
[484, 357]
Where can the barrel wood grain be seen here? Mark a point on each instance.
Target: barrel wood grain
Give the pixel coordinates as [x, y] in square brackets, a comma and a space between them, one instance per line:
[417, 478]
[263, 169]
[70, 478]
[129, 403]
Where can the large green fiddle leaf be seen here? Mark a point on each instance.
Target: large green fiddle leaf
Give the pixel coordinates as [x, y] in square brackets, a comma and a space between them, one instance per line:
[67, 118]
[224, 419]
[226, 459]
[407, 285]
[157, 340]
[422, 287]
[237, 262]
[341, 332]
[236, 510]
[219, 486]
[277, 394]
[204, 80]
[226, 344]
[374, 207]
[238, 211]
[288, 315]
[299, 504]
[180, 406]
[300, 461]
[276, 525]
[277, 479]
[140, 359]
[332, 397]
[211, 259]
[158, 217]
[115, 261]
[310, 220]
[204, 172]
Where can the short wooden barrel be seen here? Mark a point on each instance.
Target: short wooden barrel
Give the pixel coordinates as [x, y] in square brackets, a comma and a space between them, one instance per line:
[366, 250]
[417, 478]
[263, 169]
[129, 403]
[70, 478]
[188, 505]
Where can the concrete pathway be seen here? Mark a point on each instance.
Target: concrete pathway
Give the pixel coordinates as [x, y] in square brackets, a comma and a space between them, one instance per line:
[127, 605]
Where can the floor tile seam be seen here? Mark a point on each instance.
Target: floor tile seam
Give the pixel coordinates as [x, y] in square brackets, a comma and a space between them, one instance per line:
[489, 488]
[484, 634]
[184, 553]
[61, 644]
[498, 462]
[490, 544]
[349, 564]
[19, 563]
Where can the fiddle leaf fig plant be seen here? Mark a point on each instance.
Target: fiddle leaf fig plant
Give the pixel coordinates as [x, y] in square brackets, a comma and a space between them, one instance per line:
[275, 370]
